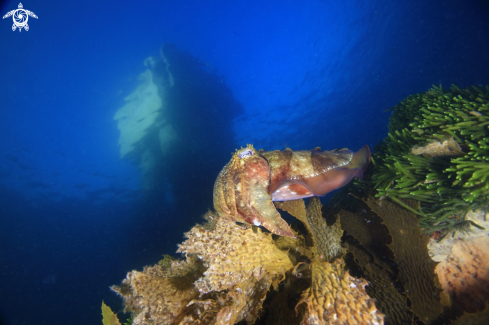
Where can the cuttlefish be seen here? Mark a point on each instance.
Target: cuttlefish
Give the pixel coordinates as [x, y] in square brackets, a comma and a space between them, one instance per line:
[247, 186]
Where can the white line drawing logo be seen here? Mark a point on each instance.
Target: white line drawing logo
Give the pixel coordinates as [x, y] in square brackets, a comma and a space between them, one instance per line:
[20, 17]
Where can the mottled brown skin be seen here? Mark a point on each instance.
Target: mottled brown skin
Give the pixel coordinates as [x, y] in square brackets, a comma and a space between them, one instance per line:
[313, 173]
[247, 185]
[241, 192]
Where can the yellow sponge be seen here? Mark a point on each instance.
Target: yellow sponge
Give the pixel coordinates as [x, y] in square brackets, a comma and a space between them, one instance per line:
[233, 253]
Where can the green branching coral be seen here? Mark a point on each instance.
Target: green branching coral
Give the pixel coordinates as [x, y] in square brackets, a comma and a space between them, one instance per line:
[437, 152]
[129, 321]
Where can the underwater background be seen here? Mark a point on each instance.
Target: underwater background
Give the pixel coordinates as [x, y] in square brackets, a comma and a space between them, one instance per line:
[77, 213]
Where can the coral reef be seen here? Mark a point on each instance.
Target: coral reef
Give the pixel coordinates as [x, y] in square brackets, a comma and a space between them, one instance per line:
[370, 255]
[463, 270]
[424, 200]
[335, 297]
[247, 185]
[437, 152]
[235, 272]
[386, 247]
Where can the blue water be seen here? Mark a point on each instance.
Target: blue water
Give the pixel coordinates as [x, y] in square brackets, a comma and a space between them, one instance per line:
[74, 218]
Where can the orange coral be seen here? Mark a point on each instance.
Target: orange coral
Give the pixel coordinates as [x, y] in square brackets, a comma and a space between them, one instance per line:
[464, 275]
[464, 268]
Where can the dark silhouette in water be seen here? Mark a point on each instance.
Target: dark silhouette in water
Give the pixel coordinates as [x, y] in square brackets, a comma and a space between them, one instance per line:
[200, 108]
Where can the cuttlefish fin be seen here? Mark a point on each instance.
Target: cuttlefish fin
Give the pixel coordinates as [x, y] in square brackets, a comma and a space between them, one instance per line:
[291, 191]
[360, 159]
[331, 180]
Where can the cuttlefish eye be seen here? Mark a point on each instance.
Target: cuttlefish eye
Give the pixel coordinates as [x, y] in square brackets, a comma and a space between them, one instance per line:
[245, 153]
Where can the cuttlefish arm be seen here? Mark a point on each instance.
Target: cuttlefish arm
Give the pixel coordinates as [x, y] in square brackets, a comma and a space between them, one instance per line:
[247, 185]
[241, 192]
